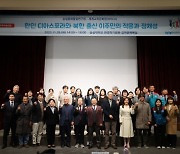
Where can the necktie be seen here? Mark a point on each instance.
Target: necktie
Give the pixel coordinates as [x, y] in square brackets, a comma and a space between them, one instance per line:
[52, 109]
[80, 108]
[110, 102]
[94, 107]
[12, 105]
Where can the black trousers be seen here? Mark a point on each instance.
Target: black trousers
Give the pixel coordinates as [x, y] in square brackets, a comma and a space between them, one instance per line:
[133, 116]
[7, 127]
[90, 134]
[66, 130]
[159, 133]
[142, 135]
[171, 140]
[50, 132]
[79, 132]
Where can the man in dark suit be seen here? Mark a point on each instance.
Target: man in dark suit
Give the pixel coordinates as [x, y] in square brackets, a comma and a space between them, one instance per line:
[110, 109]
[66, 120]
[79, 122]
[9, 109]
[95, 121]
[17, 95]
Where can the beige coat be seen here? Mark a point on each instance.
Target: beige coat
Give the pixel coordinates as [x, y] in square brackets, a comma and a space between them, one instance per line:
[61, 98]
[52, 97]
[171, 126]
[143, 115]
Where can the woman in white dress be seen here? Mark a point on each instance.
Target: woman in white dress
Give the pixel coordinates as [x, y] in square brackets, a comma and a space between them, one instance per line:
[126, 126]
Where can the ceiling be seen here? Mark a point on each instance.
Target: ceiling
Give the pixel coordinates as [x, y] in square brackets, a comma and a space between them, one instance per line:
[89, 4]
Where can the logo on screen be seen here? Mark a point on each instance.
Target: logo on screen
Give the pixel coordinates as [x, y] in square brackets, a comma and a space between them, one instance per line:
[7, 25]
[174, 23]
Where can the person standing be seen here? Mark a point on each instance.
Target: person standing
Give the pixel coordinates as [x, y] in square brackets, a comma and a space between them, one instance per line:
[66, 120]
[30, 96]
[137, 91]
[17, 95]
[78, 94]
[102, 97]
[37, 119]
[95, 121]
[51, 118]
[171, 127]
[164, 96]
[152, 96]
[126, 126]
[89, 96]
[72, 89]
[9, 121]
[79, 122]
[110, 109]
[143, 120]
[159, 121]
[145, 90]
[51, 96]
[23, 128]
[97, 89]
[64, 93]
[116, 95]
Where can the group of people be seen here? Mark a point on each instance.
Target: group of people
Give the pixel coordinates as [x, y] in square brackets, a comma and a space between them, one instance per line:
[115, 113]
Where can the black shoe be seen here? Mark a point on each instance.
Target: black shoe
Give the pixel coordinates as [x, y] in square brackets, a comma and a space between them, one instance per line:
[53, 146]
[14, 145]
[26, 146]
[98, 146]
[90, 146]
[68, 145]
[106, 147]
[49, 146]
[4, 146]
[38, 144]
[20, 146]
[114, 146]
[33, 145]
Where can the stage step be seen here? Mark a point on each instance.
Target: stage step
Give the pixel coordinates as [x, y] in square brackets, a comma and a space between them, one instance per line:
[119, 140]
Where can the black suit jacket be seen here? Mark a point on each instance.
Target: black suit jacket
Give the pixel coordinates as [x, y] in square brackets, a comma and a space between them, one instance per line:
[80, 116]
[9, 113]
[88, 100]
[50, 117]
[37, 113]
[18, 97]
[113, 110]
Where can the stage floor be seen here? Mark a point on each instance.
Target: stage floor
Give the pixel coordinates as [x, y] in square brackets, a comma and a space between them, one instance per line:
[73, 150]
[58, 150]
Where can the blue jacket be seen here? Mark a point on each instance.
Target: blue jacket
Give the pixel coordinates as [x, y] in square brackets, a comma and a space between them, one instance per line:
[160, 118]
[66, 114]
[152, 99]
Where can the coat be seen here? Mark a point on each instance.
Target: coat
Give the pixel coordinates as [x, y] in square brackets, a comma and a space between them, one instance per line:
[172, 114]
[99, 116]
[143, 115]
[23, 121]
